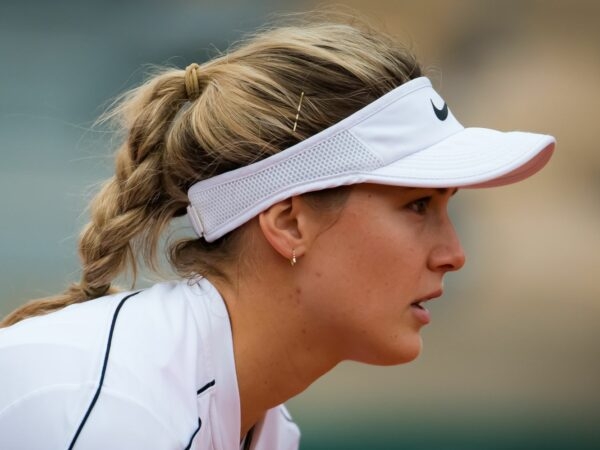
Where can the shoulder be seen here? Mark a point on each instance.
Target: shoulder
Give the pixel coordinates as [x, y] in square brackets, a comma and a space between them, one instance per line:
[156, 329]
[57, 349]
[136, 354]
[84, 325]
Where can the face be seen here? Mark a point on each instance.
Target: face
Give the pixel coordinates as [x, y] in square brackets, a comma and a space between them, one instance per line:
[389, 249]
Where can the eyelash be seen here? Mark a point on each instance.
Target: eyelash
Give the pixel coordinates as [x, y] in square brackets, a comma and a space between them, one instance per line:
[420, 205]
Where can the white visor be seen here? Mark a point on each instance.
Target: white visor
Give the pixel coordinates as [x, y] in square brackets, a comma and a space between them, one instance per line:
[408, 137]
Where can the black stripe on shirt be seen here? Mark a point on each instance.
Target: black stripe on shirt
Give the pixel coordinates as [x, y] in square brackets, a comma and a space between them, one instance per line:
[106, 353]
[194, 435]
[205, 387]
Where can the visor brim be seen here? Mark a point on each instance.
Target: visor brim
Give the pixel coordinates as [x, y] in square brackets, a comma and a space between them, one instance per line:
[473, 158]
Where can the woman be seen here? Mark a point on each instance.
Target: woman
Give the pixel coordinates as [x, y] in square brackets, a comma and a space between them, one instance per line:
[315, 164]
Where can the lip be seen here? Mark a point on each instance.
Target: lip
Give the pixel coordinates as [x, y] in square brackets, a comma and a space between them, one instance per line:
[420, 313]
[431, 296]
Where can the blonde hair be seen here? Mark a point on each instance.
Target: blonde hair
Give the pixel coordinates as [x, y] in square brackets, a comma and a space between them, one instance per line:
[245, 110]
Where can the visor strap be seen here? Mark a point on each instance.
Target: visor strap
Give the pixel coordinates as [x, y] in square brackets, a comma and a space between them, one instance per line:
[195, 220]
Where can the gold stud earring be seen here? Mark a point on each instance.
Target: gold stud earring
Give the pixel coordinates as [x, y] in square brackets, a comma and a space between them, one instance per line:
[293, 260]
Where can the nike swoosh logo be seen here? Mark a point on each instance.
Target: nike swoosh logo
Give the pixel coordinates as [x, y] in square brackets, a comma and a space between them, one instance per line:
[441, 114]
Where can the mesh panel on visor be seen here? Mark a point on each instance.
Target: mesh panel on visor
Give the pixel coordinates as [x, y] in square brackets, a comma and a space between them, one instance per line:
[341, 153]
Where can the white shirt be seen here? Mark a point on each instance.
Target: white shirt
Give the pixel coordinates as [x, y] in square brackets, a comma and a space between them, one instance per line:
[147, 370]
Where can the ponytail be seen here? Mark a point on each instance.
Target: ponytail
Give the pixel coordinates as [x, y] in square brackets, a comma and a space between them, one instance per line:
[131, 209]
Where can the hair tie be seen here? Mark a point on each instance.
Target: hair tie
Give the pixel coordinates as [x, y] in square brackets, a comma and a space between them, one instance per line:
[192, 85]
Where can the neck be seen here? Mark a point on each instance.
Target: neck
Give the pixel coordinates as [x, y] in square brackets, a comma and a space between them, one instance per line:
[278, 353]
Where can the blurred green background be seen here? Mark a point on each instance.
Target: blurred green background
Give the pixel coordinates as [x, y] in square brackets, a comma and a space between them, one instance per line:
[512, 358]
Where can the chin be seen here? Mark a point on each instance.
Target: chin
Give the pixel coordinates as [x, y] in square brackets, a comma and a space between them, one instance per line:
[404, 351]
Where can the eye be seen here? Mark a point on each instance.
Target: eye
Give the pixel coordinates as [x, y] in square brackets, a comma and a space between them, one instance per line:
[420, 205]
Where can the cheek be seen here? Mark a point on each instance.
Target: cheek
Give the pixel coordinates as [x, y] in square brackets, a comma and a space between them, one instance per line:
[390, 266]
[368, 258]
[364, 288]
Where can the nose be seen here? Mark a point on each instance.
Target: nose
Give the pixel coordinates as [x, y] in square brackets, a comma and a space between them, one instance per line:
[448, 254]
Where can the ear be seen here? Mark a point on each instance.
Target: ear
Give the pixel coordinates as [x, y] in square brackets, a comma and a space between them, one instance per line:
[287, 226]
